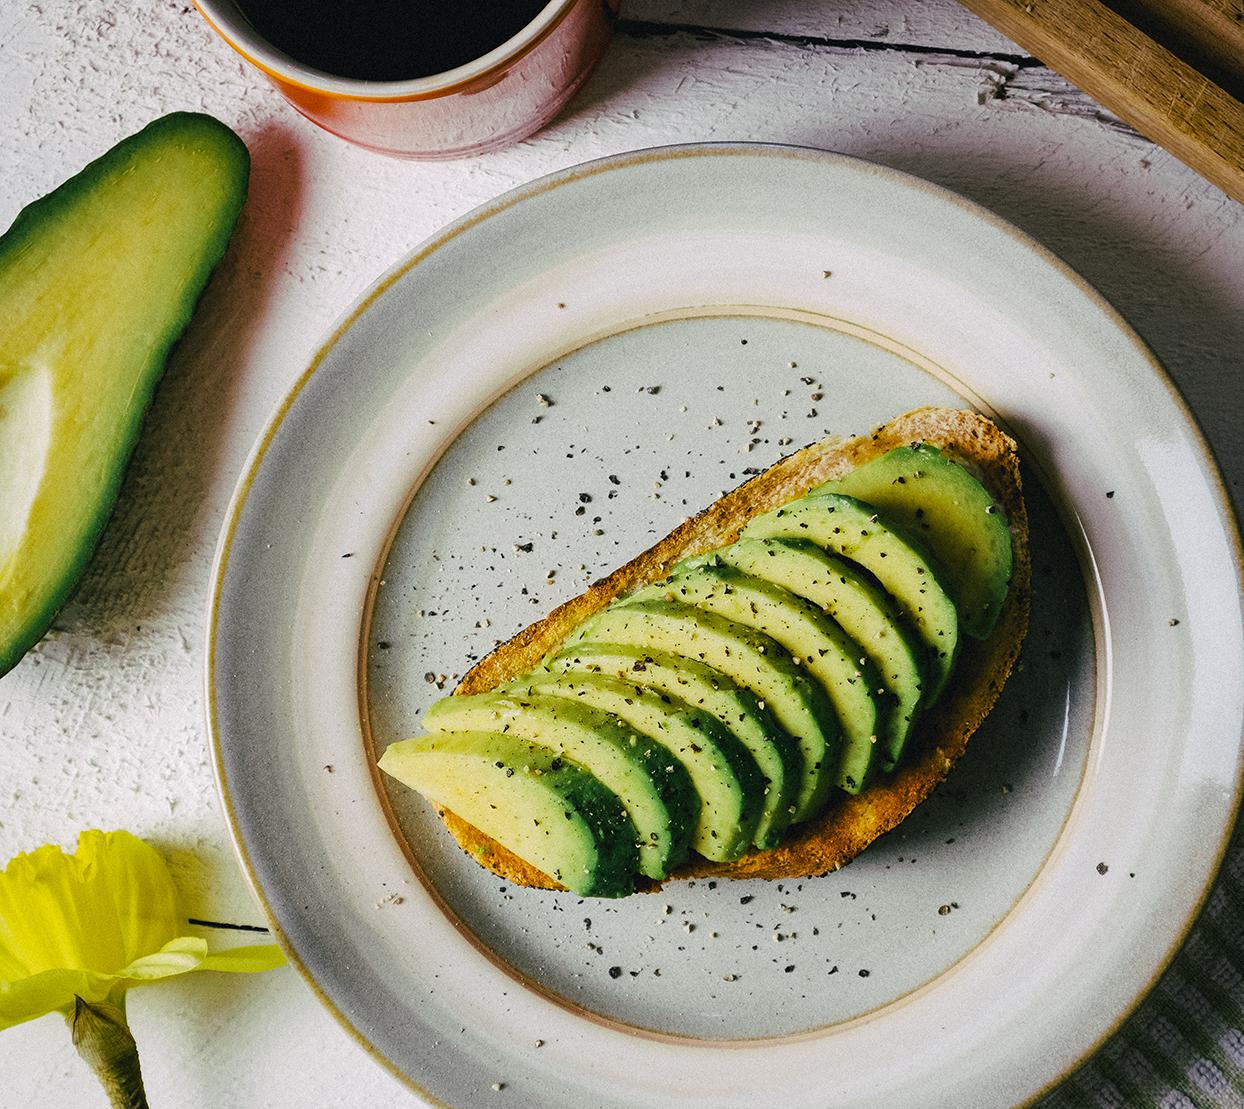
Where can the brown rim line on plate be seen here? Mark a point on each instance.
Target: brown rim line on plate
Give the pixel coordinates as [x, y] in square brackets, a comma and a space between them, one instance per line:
[847, 827]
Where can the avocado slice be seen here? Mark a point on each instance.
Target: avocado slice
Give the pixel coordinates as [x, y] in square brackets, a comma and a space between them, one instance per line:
[945, 507]
[654, 787]
[858, 532]
[774, 750]
[819, 645]
[856, 604]
[722, 770]
[98, 280]
[748, 658]
[543, 807]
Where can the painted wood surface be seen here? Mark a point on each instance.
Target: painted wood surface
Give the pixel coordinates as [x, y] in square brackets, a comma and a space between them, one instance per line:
[102, 725]
[1137, 71]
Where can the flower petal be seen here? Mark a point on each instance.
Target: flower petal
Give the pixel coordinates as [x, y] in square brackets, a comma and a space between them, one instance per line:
[179, 956]
[99, 909]
[95, 923]
[45, 909]
[49, 992]
[247, 959]
[187, 953]
[136, 878]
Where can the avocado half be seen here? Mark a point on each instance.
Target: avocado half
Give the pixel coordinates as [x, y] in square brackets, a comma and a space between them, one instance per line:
[98, 280]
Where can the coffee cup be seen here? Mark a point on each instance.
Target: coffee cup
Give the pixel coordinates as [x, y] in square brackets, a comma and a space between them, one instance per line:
[506, 93]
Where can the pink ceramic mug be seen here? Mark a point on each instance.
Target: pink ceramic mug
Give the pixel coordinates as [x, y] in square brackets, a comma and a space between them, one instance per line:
[498, 98]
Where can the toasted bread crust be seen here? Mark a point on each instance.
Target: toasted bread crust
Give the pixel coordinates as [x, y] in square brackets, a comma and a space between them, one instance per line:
[851, 823]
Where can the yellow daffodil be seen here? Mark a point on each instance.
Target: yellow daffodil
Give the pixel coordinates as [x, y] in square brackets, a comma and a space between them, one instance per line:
[77, 931]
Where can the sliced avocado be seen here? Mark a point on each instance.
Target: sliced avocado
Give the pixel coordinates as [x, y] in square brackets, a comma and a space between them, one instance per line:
[947, 509]
[857, 605]
[858, 532]
[547, 810]
[749, 659]
[98, 280]
[818, 644]
[776, 753]
[722, 770]
[654, 787]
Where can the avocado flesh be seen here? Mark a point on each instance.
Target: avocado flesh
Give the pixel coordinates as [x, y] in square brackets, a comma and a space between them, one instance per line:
[947, 509]
[857, 605]
[858, 533]
[774, 750]
[721, 769]
[544, 808]
[816, 643]
[654, 787]
[98, 280]
[750, 659]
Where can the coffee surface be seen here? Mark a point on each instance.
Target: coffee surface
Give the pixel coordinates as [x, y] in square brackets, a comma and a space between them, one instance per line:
[387, 40]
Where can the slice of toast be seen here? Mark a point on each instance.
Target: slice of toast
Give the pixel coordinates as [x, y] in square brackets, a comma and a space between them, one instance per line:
[850, 823]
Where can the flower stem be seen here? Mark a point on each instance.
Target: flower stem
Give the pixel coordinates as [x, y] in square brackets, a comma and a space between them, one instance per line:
[103, 1039]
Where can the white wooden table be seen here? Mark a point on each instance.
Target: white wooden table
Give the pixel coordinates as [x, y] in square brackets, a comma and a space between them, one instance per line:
[102, 724]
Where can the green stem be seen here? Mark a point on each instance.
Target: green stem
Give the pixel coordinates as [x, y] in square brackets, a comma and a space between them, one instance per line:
[103, 1039]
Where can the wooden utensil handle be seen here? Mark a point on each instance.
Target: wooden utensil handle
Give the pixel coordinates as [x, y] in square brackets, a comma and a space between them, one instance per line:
[1134, 76]
[1208, 34]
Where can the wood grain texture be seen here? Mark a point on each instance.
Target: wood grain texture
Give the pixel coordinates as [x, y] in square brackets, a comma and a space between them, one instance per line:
[1207, 34]
[1135, 76]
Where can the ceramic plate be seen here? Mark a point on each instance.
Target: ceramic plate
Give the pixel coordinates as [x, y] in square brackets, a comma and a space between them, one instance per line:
[537, 394]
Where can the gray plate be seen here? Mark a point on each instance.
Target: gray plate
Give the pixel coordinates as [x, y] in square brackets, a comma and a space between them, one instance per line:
[674, 411]
[1087, 818]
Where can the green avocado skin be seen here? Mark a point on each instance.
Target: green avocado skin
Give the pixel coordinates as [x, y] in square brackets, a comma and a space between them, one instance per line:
[172, 309]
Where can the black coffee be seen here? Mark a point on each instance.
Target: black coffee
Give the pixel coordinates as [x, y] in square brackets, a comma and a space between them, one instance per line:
[387, 40]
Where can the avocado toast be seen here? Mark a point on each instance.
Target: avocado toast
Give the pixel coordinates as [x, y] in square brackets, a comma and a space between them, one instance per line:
[835, 629]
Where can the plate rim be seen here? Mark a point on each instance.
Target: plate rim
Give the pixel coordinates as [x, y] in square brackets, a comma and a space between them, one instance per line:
[1216, 484]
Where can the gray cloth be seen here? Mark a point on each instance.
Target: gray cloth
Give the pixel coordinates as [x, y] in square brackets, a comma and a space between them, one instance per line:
[1183, 1048]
